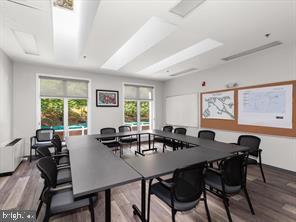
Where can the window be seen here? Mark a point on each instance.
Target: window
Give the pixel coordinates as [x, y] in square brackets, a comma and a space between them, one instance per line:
[138, 106]
[64, 105]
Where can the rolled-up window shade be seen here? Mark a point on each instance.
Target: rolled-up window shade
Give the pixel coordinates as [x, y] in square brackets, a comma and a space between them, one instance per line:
[136, 92]
[67, 88]
[145, 93]
[130, 92]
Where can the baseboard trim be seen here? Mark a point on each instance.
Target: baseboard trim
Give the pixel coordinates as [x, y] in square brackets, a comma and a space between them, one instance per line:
[280, 169]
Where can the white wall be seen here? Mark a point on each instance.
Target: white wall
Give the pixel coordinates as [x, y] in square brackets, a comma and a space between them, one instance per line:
[273, 65]
[6, 76]
[25, 97]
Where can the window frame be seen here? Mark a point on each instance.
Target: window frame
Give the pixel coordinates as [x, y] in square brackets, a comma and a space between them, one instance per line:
[39, 97]
[152, 104]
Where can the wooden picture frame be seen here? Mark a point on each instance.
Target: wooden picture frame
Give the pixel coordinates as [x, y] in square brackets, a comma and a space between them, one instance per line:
[107, 98]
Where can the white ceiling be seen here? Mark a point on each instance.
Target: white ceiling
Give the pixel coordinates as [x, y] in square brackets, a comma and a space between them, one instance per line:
[238, 24]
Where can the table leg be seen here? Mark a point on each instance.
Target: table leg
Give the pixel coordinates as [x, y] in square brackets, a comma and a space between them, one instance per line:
[149, 145]
[108, 205]
[141, 213]
[139, 146]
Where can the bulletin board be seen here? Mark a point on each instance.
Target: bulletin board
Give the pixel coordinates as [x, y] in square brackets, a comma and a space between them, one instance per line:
[238, 103]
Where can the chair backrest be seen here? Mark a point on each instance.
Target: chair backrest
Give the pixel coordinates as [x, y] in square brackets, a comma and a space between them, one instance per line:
[250, 141]
[57, 142]
[44, 135]
[189, 182]
[43, 151]
[234, 170]
[48, 169]
[206, 134]
[108, 130]
[180, 130]
[168, 129]
[124, 128]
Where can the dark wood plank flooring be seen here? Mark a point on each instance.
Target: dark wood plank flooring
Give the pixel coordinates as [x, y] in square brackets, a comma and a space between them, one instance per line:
[273, 201]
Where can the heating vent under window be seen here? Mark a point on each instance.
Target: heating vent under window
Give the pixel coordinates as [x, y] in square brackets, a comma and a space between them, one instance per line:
[184, 72]
[251, 51]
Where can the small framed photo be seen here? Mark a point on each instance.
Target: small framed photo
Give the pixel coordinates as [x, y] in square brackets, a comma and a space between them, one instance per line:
[107, 98]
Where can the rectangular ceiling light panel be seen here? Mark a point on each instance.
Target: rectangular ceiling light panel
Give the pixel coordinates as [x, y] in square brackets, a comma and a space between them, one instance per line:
[251, 51]
[188, 53]
[186, 71]
[184, 7]
[152, 32]
[27, 42]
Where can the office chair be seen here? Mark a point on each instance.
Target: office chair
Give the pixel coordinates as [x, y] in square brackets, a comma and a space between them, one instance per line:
[160, 139]
[58, 145]
[64, 171]
[174, 143]
[183, 191]
[126, 139]
[42, 138]
[60, 199]
[229, 180]
[111, 142]
[206, 134]
[254, 143]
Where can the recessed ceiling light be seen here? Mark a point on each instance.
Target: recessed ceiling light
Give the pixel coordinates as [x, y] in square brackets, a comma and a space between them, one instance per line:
[188, 53]
[184, 7]
[152, 32]
[27, 42]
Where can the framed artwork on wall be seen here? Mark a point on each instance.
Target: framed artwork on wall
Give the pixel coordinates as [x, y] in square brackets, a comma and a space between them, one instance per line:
[107, 98]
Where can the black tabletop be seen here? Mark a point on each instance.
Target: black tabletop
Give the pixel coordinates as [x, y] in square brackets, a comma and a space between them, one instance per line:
[122, 134]
[214, 145]
[95, 168]
[156, 165]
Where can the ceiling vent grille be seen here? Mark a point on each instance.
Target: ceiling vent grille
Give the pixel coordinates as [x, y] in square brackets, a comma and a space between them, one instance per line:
[184, 7]
[251, 51]
[22, 3]
[183, 72]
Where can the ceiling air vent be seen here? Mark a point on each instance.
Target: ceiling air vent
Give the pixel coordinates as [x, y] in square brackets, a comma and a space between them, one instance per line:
[184, 7]
[184, 72]
[251, 51]
[22, 3]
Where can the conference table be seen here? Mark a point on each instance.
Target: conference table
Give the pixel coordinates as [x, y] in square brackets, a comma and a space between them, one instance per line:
[95, 168]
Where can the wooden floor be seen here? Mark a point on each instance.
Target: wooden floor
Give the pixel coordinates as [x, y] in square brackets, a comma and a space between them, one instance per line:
[274, 201]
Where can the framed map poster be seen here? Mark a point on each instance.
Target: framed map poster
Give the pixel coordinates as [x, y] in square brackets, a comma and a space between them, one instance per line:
[218, 105]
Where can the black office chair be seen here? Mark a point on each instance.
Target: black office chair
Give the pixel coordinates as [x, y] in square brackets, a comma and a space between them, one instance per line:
[58, 144]
[229, 180]
[254, 143]
[60, 199]
[160, 139]
[206, 134]
[64, 171]
[111, 142]
[42, 138]
[174, 143]
[127, 139]
[182, 192]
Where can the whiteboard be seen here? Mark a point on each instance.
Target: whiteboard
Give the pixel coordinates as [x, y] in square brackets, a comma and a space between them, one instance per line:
[182, 110]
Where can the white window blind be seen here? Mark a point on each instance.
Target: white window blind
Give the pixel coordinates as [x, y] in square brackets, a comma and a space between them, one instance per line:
[66, 88]
[137, 92]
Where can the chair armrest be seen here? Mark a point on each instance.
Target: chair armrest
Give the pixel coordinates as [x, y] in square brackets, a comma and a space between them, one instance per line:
[216, 171]
[165, 184]
[31, 140]
[63, 166]
[61, 188]
[60, 155]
